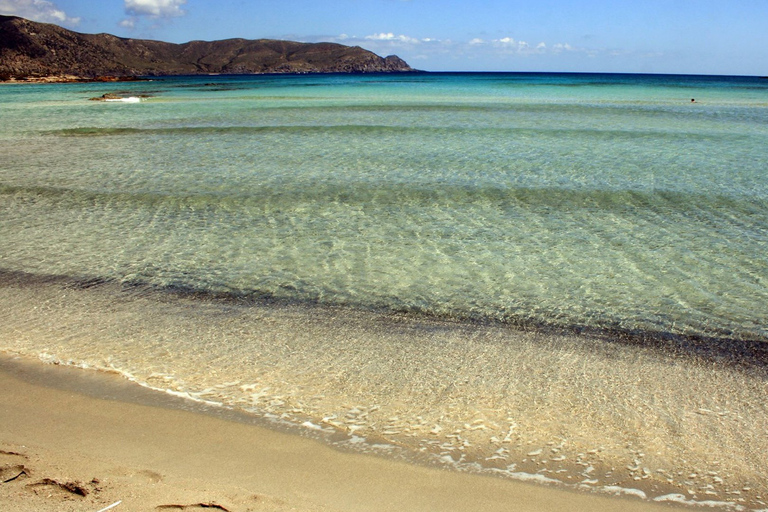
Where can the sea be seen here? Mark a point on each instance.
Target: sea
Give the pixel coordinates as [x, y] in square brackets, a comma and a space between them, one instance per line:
[556, 278]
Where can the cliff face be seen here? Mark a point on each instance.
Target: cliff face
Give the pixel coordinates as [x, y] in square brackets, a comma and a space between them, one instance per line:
[31, 48]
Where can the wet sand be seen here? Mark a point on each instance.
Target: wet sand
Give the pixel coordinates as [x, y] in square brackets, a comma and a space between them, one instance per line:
[60, 441]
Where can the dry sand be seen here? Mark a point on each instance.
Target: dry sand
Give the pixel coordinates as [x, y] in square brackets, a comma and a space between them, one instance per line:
[63, 448]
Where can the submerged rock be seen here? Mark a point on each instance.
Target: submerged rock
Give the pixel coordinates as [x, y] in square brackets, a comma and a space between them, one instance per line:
[107, 96]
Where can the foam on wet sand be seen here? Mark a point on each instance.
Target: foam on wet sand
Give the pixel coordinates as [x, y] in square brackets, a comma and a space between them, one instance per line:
[72, 451]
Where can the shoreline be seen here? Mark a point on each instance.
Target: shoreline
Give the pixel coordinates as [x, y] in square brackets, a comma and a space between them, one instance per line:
[373, 385]
[744, 353]
[64, 443]
[71, 79]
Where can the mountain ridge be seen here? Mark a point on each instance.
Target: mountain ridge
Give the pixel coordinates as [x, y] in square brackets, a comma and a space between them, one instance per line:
[32, 49]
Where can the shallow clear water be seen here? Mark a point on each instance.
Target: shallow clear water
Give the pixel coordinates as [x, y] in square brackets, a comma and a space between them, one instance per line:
[599, 200]
[607, 203]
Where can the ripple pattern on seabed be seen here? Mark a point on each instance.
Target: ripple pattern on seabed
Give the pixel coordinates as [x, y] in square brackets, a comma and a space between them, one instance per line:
[498, 239]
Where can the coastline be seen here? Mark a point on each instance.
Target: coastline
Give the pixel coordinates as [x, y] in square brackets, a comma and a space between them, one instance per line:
[152, 457]
[70, 79]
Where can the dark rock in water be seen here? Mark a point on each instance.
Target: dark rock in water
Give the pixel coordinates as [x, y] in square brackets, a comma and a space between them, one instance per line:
[28, 48]
[107, 96]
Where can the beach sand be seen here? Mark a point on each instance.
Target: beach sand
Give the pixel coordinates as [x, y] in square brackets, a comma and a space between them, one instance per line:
[70, 450]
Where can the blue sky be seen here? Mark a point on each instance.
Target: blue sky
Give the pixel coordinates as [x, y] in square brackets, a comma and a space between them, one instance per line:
[649, 36]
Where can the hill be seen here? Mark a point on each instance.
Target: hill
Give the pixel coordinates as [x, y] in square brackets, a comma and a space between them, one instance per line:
[28, 48]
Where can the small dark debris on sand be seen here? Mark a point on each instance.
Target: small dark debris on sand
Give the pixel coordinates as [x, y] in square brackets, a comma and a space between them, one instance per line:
[70, 487]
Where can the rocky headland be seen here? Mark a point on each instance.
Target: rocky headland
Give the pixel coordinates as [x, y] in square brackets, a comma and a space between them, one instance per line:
[31, 51]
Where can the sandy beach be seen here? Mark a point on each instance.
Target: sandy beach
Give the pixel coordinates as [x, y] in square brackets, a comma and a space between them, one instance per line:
[63, 449]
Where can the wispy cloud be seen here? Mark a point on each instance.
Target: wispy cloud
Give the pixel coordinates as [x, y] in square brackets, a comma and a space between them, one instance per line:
[155, 8]
[388, 41]
[559, 48]
[382, 41]
[389, 36]
[37, 10]
[501, 51]
[509, 45]
[151, 9]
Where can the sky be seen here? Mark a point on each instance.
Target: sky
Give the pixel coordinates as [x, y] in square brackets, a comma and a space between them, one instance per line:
[721, 37]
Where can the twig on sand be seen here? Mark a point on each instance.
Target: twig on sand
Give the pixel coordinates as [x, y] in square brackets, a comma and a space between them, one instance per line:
[197, 505]
[23, 472]
[111, 506]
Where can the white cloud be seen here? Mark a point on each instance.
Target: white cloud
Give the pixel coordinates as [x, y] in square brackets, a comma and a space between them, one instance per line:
[503, 52]
[389, 36]
[155, 8]
[510, 45]
[152, 9]
[37, 10]
[559, 47]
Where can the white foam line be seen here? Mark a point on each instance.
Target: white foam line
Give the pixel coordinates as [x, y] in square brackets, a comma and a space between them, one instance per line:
[187, 396]
[313, 426]
[615, 489]
[131, 99]
[679, 498]
[445, 459]
[531, 477]
[47, 358]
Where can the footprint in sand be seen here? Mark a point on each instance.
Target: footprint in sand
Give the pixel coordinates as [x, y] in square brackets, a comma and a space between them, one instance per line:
[150, 475]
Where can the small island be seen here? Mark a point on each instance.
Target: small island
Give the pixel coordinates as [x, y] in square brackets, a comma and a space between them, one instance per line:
[42, 52]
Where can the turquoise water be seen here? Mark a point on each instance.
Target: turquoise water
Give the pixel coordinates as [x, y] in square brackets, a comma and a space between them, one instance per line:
[605, 201]
[537, 276]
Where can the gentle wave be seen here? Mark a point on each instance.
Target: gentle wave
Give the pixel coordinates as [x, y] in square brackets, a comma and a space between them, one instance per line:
[426, 194]
[469, 260]
[373, 130]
